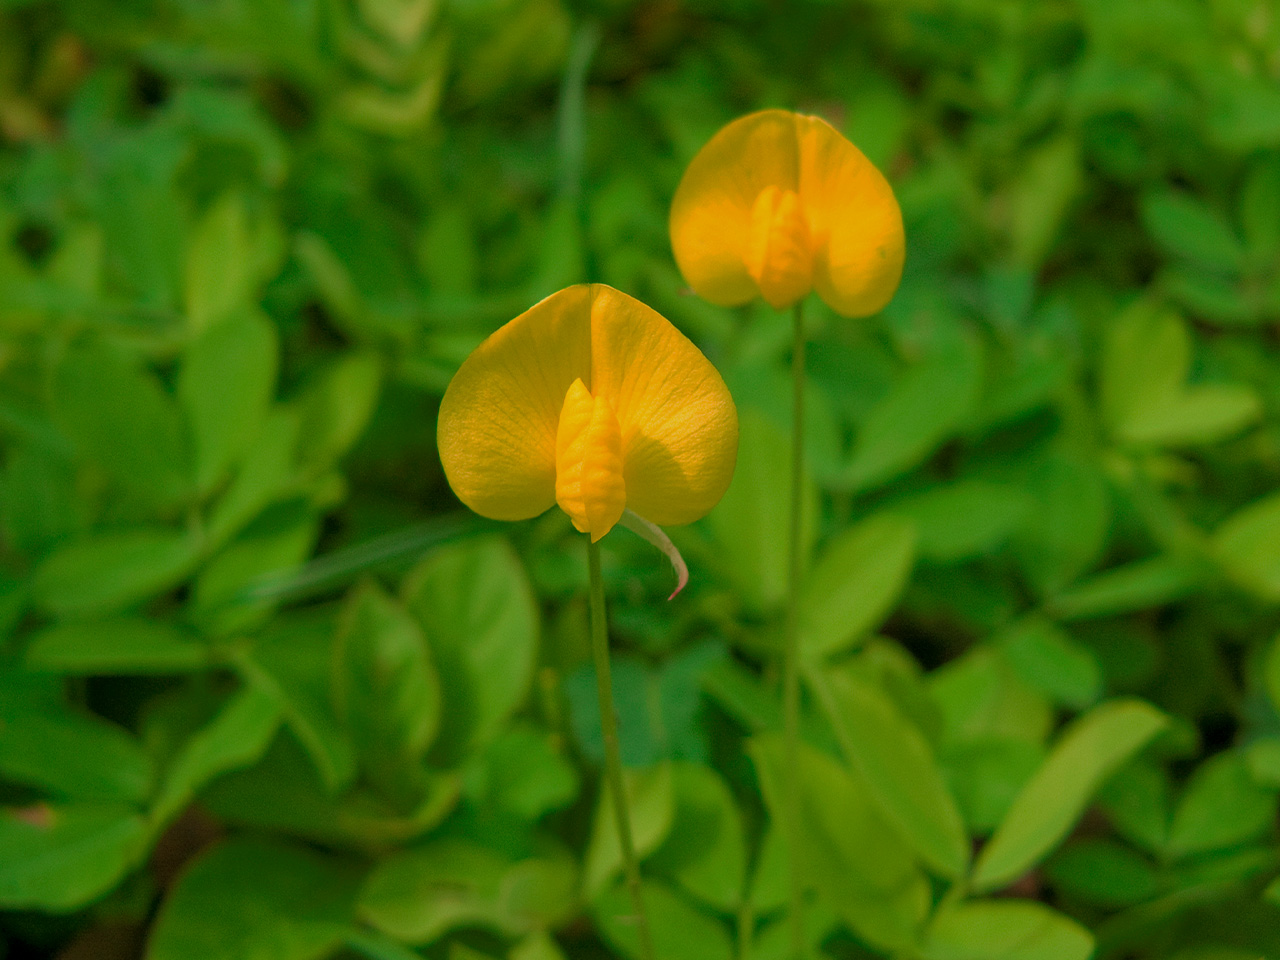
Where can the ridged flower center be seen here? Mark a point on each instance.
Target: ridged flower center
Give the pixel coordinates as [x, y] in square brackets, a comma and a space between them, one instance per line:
[780, 248]
[589, 484]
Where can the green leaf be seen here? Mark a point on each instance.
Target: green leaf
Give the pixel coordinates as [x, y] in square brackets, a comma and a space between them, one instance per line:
[76, 757]
[895, 763]
[336, 406]
[1187, 227]
[560, 250]
[225, 384]
[981, 696]
[1049, 180]
[1066, 532]
[986, 774]
[385, 688]
[1199, 414]
[1248, 546]
[1271, 672]
[1222, 806]
[1134, 586]
[767, 389]
[63, 857]
[855, 584]
[742, 695]
[419, 895]
[266, 473]
[921, 410]
[853, 857]
[256, 900]
[338, 291]
[109, 572]
[751, 521]
[964, 519]
[1145, 363]
[1094, 746]
[522, 774]
[118, 416]
[1103, 872]
[237, 737]
[376, 946]
[282, 793]
[477, 610]
[1145, 360]
[1004, 930]
[770, 887]
[292, 659]
[680, 931]
[141, 214]
[218, 276]
[1262, 756]
[539, 893]
[1260, 208]
[537, 946]
[651, 800]
[773, 940]
[706, 852]
[447, 252]
[41, 505]
[132, 646]
[1244, 115]
[1136, 801]
[274, 544]
[1047, 658]
[1226, 302]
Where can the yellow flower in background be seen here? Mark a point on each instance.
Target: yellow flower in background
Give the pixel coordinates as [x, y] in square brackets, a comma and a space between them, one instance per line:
[778, 204]
[593, 401]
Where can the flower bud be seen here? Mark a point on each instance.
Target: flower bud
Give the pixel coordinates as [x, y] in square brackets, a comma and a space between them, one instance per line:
[779, 253]
[589, 483]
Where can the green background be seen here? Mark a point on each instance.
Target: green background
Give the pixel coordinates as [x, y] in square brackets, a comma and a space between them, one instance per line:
[268, 693]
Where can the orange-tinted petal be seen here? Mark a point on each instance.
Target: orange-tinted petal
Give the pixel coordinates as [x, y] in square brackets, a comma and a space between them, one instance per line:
[854, 218]
[711, 212]
[589, 482]
[679, 425]
[499, 419]
[499, 416]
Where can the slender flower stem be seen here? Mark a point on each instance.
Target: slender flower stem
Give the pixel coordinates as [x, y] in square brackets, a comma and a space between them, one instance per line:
[791, 641]
[612, 755]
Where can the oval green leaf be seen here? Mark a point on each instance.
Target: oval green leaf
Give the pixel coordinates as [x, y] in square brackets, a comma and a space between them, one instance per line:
[1093, 747]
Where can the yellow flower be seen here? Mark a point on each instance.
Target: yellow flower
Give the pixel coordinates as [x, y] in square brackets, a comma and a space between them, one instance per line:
[595, 402]
[778, 204]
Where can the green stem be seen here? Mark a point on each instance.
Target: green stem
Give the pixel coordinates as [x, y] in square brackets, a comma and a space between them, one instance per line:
[612, 755]
[746, 927]
[791, 642]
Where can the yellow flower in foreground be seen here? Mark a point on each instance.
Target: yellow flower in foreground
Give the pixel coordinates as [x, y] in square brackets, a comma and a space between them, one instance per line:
[595, 402]
[778, 204]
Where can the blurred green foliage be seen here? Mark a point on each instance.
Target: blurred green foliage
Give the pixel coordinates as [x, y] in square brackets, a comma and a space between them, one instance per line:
[244, 245]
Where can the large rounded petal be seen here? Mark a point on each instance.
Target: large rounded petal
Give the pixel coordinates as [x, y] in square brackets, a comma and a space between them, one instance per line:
[854, 220]
[498, 418]
[711, 212]
[679, 425]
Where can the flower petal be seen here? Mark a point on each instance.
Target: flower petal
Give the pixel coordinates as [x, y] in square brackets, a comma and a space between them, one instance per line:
[854, 219]
[500, 415]
[679, 425]
[711, 212]
[498, 418]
